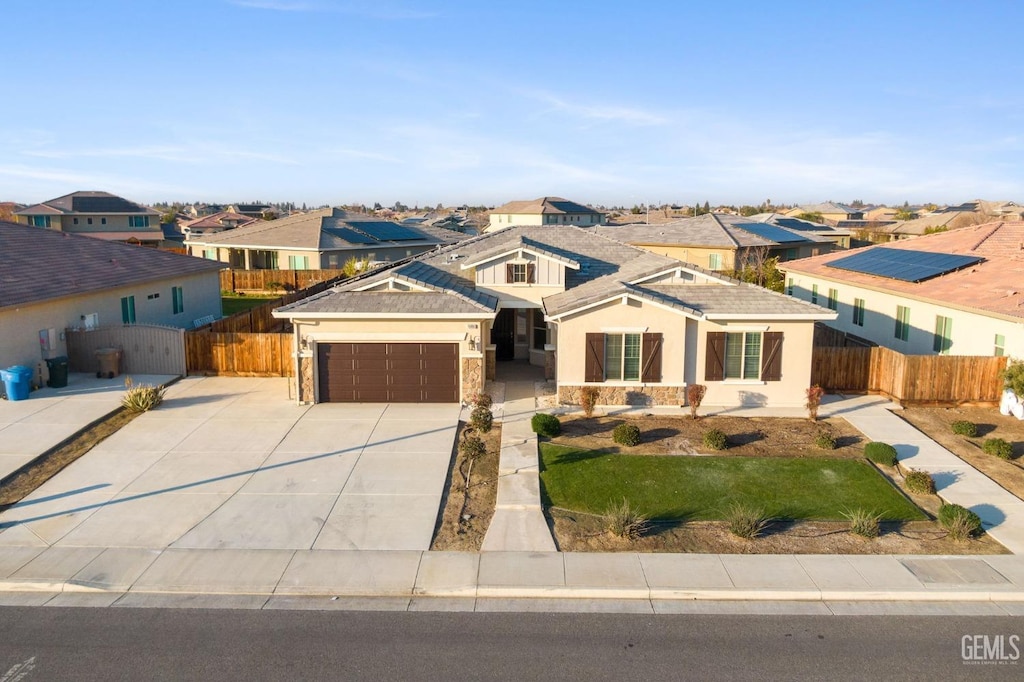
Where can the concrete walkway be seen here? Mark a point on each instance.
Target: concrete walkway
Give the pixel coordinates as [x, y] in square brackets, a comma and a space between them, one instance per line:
[28, 428]
[518, 524]
[956, 481]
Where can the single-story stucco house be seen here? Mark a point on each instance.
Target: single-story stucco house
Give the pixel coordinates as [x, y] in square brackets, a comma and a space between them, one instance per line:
[589, 309]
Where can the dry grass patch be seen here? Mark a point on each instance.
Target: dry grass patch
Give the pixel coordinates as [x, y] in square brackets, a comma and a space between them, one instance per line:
[467, 512]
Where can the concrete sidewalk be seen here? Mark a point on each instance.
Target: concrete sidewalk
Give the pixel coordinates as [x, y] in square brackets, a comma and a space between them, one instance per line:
[109, 573]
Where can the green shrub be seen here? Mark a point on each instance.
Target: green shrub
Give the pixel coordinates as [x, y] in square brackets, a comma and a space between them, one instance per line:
[919, 482]
[626, 434]
[546, 425]
[472, 447]
[623, 521]
[825, 441]
[745, 521]
[961, 522]
[481, 400]
[962, 427]
[1013, 377]
[864, 523]
[141, 397]
[715, 439]
[481, 419]
[998, 447]
[880, 453]
[588, 399]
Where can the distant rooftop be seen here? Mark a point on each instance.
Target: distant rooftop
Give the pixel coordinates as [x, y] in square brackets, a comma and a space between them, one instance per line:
[544, 205]
[87, 202]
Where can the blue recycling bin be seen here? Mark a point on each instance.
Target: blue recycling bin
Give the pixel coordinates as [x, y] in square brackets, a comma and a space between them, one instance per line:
[17, 381]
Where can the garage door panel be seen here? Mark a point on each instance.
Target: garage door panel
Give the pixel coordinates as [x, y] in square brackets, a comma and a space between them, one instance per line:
[388, 372]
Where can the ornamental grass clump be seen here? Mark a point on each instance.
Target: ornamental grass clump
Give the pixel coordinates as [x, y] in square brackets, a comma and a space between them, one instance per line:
[623, 521]
[745, 521]
[825, 441]
[715, 439]
[919, 482]
[863, 522]
[961, 522]
[141, 397]
[626, 434]
[588, 399]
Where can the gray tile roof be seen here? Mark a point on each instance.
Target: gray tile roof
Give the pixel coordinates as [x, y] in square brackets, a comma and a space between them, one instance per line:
[544, 205]
[606, 268]
[399, 302]
[38, 265]
[87, 202]
[322, 230]
[708, 230]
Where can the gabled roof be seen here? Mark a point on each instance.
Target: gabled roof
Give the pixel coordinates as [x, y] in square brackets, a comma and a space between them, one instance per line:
[323, 230]
[38, 265]
[708, 230]
[829, 207]
[607, 268]
[215, 221]
[87, 202]
[544, 205]
[995, 285]
[799, 224]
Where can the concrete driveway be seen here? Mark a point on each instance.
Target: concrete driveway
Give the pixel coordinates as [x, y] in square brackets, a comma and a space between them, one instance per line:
[232, 463]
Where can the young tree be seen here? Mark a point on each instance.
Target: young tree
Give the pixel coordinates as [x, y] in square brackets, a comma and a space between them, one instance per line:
[755, 265]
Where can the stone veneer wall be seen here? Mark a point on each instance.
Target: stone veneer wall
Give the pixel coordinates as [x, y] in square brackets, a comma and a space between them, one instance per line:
[472, 377]
[492, 363]
[638, 396]
[306, 392]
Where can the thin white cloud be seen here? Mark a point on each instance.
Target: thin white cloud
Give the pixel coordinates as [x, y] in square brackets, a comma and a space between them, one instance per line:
[601, 112]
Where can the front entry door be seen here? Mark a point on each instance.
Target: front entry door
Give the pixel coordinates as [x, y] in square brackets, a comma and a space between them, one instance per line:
[503, 334]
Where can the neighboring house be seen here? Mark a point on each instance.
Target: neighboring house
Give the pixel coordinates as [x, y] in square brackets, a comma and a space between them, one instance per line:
[318, 240]
[719, 242]
[831, 212]
[252, 210]
[216, 222]
[840, 237]
[881, 213]
[96, 214]
[592, 311]
[544, 211]
[53, 281]
[969, 300]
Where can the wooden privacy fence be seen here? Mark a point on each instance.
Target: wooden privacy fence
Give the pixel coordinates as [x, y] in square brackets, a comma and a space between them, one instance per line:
[261, 280]
[145, 348]
[246, 354]
[909, 379]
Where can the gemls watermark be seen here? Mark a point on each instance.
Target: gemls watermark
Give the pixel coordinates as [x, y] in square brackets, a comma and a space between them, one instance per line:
[990, 649]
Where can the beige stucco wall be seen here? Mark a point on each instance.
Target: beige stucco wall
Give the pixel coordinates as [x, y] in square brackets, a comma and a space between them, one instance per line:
[973, 333]
[683, 352]
[115, 223]
[19, 340]
[697, 255]
[500, 221]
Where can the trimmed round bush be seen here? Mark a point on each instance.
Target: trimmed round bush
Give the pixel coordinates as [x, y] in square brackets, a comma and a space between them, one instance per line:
[482, 400]
[626, 434]
[880, 453]
[715, 439]
[472, 447]
[962, 427]
[825, 441]
[481, 419]
[998, 447]
[545, 424]
[961, 522]
[919, 482]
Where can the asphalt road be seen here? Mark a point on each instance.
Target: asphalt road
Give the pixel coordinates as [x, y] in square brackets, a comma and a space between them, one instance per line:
[176, 644]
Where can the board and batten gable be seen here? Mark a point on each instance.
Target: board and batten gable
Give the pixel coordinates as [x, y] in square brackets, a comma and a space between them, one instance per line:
[545, 276]
[971, 333]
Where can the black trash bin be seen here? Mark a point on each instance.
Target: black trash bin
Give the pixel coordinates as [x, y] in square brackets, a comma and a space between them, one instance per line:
[58, 368]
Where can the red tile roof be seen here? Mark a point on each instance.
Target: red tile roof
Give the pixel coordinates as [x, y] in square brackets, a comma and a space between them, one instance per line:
[995, 285]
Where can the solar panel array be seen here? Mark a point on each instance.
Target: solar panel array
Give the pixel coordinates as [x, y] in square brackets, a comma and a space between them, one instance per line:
[350, 235]
[771, 233]
[905, 265]
[796, 224]
[103, 205]
[385, 231]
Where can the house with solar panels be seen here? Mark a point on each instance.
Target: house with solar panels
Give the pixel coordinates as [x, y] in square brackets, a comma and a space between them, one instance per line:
[319, 240]
[953, 293]
[544, 211]
[719, 241]
[96, 214]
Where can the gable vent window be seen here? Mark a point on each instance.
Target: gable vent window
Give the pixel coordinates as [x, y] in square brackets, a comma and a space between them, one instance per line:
[520, 273]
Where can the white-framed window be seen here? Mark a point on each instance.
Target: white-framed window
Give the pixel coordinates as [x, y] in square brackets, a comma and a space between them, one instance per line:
[298, 262]
[39, 220]
[128, 309]
[743, 355]
[622, 357]
[136, 221]
[519, 273]
[715, 261]
[833, 299]
[858, 312]
[178, 300]
[943, 340]
[902, 331]
[1000, 350]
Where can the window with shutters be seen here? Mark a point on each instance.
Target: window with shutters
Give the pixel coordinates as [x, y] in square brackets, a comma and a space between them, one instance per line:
[623, 357]
[743, 356]
[520, 273]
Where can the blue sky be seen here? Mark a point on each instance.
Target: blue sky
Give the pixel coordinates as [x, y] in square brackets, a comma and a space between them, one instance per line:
[337, 101]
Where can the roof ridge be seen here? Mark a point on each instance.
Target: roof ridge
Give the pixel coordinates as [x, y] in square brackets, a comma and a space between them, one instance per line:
[725, 229]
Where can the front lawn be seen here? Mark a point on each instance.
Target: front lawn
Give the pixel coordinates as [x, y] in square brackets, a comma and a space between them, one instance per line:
[701, 488]
[237, 304]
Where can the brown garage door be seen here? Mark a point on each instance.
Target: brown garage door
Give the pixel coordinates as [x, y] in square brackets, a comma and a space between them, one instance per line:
[388, 372]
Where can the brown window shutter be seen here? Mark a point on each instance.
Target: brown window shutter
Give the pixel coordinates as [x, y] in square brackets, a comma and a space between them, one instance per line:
[531, 273]
[594, 366]
[714, 359]
[509, 275]
[771, 357]
[651, 373]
